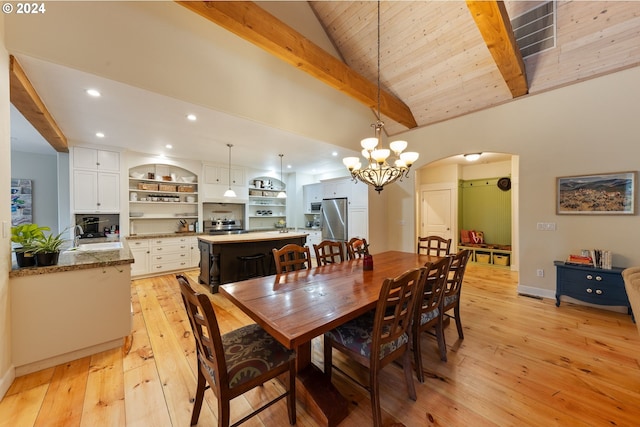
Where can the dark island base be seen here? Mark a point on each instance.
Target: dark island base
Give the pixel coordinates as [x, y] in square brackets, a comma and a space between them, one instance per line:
[219, 263]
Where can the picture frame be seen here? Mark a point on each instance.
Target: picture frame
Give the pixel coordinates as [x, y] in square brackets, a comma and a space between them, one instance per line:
[597, 194]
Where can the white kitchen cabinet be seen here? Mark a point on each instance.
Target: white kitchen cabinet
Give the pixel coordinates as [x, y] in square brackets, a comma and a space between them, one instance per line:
[337, 188]
[311, 193]
[96, 180]
[161, 255]
[314, 238]
[358, 220]
[98, 160]
[359, 195]
[140, 251]
[216, 181]
[96, 192]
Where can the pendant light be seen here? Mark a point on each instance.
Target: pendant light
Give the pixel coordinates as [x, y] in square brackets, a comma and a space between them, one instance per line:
[378, 171]
[281, 194]
[229, 192]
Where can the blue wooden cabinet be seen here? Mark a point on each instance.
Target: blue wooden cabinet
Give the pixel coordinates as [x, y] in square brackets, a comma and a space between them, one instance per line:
[592, 285]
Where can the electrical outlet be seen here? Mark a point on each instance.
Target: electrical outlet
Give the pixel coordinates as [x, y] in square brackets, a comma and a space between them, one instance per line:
[546, 226]
[540, 272]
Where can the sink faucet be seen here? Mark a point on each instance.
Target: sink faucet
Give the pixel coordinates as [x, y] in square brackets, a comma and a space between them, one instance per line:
[77, 232]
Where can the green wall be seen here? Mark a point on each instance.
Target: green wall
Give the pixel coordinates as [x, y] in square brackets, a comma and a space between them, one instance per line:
[484, 207]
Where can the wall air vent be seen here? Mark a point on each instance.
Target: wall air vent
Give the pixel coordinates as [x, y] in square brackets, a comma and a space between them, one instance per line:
[535, 30]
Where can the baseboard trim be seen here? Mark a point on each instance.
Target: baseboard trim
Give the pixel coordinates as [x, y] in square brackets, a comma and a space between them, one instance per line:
[66, 357]
[7, 380]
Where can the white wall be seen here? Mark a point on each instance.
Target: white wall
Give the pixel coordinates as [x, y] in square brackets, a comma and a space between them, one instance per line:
[7, 371]
[42, 169]
[589, 127]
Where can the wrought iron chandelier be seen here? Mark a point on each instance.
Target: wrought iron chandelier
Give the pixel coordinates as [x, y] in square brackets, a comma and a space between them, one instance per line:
[379, 172]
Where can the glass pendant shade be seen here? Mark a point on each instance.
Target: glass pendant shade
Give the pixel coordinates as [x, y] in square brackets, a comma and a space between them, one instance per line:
[229, 193]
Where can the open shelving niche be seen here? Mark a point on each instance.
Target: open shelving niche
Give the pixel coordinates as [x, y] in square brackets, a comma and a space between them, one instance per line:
[262, 200]
[161, 203]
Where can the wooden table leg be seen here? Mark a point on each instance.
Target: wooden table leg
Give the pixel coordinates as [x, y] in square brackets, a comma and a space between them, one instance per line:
[314, 389]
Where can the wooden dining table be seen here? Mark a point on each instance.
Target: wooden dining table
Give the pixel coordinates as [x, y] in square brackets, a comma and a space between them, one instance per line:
[297, 306]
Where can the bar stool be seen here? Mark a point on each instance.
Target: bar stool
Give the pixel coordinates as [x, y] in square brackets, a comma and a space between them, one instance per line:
[251, 263]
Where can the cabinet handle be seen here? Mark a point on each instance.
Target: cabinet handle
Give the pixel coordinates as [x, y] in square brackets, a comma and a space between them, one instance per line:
[589, 277]
[598, 278]
[599, 292]
[589, 290]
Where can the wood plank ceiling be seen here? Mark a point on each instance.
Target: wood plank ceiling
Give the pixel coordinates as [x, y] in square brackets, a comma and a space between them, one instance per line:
[450, 58]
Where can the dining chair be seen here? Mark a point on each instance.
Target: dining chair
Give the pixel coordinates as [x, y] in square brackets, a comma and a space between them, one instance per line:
[451, 298]
[291, 257]
[381, 336]
[236, 362]
[428, 311]
[328, 252]
[357, 248]
[434, 245]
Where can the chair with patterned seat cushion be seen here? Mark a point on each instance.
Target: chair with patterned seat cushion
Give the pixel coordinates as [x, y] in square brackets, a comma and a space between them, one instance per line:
[329, 252]
[291, 257]
[434, 245]
[236, 362]
[379, 337]
[428, 312]
[454, 286]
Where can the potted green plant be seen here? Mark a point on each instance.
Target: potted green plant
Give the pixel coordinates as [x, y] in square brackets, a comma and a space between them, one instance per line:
[24, 236]
[47, 249]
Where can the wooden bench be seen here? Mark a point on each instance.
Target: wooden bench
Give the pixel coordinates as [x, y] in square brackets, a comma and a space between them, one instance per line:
[484, 253]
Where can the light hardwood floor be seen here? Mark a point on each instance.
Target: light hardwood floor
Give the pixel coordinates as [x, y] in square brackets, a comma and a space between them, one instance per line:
[523, 362]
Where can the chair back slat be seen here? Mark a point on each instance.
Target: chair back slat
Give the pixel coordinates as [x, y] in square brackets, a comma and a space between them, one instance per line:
[291, 257]
[456, 272]
[434, 245]
[434, 286]
[357, 248]
[329, 252]
[204, 325]
[395, 308]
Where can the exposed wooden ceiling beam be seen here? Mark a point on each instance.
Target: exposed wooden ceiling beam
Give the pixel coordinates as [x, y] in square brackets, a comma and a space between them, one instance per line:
[254, 24]
[494, 24]
[25, 98]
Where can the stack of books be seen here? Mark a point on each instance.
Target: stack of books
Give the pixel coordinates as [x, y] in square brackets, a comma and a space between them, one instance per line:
[580, 260]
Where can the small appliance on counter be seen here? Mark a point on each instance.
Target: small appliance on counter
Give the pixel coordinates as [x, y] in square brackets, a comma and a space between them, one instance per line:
[91, 227]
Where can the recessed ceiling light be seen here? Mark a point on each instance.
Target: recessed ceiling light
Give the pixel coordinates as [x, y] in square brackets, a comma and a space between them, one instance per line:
[93, 92]
[335, 153]
[288, 166]
[191, 117]
[100, 134]
[169, 146]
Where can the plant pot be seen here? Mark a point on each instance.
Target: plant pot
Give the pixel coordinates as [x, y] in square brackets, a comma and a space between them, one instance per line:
[44, 259]
[25, 259]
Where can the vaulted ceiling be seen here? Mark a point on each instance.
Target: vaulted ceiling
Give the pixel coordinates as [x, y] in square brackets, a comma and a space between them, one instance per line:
[438, 60]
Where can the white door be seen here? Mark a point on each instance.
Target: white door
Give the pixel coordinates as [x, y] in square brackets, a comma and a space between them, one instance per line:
[436, 213]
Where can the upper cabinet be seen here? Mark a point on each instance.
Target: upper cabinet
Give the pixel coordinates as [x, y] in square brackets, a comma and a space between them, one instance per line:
[311, 193]
[336, 188]
[96, 180]
[216, 182]
[92, 159]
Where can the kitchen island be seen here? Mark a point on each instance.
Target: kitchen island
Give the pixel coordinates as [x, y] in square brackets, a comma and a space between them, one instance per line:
[219, 263]
[79, 307]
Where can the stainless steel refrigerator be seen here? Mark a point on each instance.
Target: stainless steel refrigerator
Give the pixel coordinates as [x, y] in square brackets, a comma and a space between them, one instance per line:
[334, 219]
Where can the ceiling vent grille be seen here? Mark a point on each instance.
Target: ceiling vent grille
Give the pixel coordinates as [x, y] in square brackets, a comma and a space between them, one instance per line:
[535, 30]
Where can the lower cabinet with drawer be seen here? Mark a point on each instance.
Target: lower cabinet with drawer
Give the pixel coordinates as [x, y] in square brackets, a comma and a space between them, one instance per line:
[592, 285]
[164, 254]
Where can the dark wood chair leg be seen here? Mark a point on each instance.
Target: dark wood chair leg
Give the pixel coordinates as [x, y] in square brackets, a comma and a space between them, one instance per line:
[375, 398]
[442, 345]
[417, 356]
[456, 312]
[197, 404]
[408, 375]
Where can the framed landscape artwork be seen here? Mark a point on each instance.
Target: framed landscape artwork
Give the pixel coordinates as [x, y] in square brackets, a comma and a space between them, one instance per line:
[602, 194]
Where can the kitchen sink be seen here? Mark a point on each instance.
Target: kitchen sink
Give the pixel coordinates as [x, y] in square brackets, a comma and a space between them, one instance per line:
[102, 246]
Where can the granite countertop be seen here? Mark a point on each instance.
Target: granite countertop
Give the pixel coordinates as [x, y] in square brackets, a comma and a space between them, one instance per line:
[71, 260]
[164, 235]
